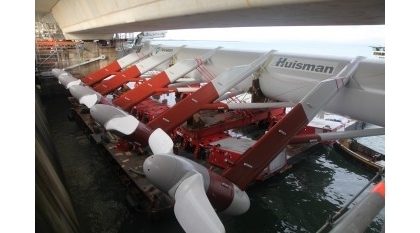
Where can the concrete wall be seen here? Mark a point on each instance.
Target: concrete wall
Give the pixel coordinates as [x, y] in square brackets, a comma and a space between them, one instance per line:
[90, 50]
[53, 206]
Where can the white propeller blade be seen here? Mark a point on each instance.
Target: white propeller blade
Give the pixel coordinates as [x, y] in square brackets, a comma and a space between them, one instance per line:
[160, 142]
[67, 80]
[126, 124]
[89, 100]
[193, 209]
[85, 95]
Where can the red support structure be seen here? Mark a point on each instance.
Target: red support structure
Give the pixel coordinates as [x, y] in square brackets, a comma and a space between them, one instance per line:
[146, 89]
[110, 85]
[259, 156]
[99, 75]
[199, 138]
[123, 145]
[184, 109]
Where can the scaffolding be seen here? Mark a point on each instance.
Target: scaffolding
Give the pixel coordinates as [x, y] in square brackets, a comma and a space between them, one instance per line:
[51, 48]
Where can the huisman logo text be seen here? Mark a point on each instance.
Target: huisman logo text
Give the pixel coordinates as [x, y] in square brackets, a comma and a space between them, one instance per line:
[294, 64]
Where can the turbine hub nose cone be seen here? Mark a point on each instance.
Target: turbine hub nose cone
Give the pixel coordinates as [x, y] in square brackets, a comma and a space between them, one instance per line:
[160, 170]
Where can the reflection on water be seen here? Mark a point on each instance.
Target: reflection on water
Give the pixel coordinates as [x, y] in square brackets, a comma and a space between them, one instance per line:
[302, 199]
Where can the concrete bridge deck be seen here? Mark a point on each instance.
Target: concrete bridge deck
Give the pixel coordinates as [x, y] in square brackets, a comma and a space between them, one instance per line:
[99, 19]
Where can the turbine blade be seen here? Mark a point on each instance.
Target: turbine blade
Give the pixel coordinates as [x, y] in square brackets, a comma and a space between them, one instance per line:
[85, 94]
[193, 209]
[160, 142]
[125, 124]
[89, 100]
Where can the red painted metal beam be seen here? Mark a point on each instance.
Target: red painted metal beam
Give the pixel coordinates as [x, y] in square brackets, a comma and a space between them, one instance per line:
[99, 75]
[112, 84]
[259, 156]
[256, 158]
[129, 99]
[179, 113]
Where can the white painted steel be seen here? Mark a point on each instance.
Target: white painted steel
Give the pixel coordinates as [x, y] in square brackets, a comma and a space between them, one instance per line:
[130, 59]
[260, 105]
[363, 98]
[153, 61]
[185, 66]
[235, 75]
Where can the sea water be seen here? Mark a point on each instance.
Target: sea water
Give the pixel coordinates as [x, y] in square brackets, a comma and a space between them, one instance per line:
[377, 143]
